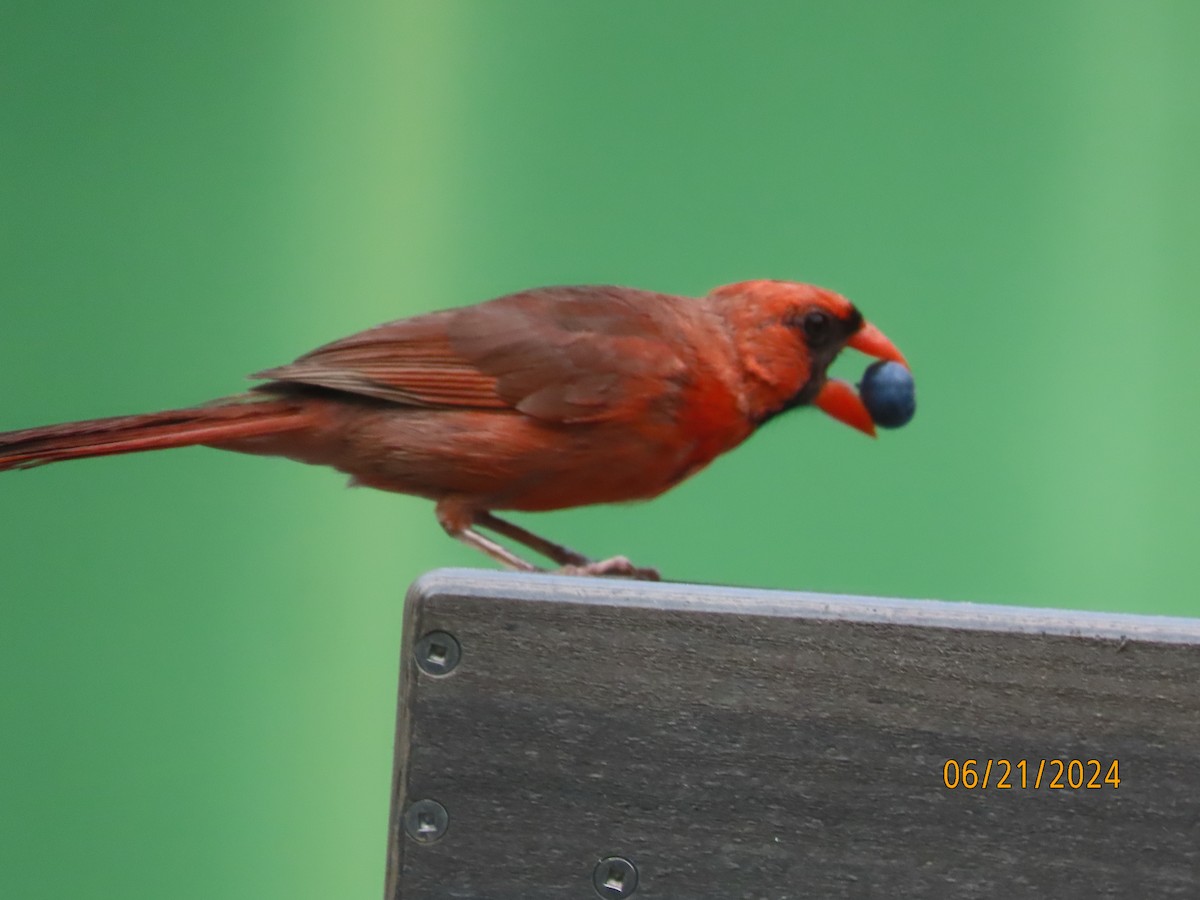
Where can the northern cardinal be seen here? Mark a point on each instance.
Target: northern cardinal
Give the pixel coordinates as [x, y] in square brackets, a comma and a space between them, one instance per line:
[543, 399]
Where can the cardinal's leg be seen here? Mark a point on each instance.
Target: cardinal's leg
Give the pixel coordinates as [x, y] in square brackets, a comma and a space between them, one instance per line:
[572, 563]
[457, 523]
[564, 556]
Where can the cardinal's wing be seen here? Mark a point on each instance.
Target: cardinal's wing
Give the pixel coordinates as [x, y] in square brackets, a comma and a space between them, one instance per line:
[562, 354]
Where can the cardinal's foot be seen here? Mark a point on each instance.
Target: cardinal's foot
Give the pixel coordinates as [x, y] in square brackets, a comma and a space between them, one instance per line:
[618, 566]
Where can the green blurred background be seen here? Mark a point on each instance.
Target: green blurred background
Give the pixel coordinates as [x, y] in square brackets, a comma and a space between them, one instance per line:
[199, 650]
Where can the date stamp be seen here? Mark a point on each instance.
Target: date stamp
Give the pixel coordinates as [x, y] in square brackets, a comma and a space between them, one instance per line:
[1031, 774]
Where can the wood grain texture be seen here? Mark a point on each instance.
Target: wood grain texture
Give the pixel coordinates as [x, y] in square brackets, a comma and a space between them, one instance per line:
[756, 744]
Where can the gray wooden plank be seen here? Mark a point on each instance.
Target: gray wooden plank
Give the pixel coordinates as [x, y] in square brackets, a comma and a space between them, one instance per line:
[758, 744]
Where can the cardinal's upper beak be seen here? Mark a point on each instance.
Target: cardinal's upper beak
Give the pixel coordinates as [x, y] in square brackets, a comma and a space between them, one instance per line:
[839, 399]
[873, 342]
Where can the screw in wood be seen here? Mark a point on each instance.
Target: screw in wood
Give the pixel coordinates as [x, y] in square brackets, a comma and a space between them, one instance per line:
[437, 653]
[425, 821]
[615, 876]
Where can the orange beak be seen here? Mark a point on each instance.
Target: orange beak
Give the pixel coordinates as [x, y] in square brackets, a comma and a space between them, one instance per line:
[839, 399]
[873, 342]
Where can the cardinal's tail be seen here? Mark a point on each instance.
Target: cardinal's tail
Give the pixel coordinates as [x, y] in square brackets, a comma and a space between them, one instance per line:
[224, 420]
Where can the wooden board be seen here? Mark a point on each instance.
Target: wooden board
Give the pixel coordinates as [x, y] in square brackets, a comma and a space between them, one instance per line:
[733, 743]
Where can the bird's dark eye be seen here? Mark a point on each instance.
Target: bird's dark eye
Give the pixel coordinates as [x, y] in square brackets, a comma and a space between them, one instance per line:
[818, 326]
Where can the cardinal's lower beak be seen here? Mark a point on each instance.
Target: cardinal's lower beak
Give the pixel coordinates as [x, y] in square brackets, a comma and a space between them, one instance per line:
[839, 399]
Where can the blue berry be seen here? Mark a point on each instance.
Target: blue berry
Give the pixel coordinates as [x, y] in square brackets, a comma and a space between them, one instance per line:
[888, 392]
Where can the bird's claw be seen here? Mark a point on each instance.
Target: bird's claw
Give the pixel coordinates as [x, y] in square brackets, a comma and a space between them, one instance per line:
[617, 566]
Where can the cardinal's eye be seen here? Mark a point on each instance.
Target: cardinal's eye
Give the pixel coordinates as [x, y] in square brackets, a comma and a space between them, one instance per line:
[818, 326]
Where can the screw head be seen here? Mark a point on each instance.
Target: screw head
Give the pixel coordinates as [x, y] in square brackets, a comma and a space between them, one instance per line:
[615, 876]
[437, 653]
[425, 821]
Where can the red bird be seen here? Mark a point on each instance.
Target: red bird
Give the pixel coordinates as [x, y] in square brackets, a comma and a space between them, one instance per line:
[544, 399]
